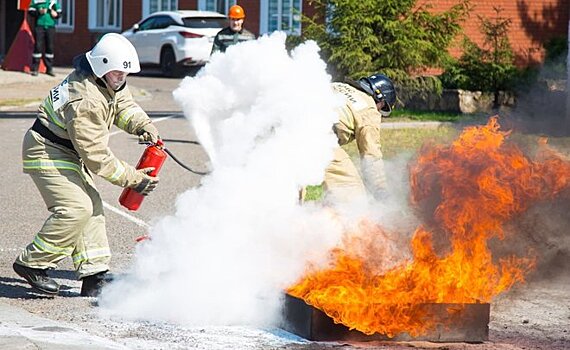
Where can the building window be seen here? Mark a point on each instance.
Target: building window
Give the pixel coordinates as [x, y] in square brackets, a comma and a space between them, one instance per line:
[67, 19]
[105, 15]
[283, 15]
[220, 6]
[152, 6]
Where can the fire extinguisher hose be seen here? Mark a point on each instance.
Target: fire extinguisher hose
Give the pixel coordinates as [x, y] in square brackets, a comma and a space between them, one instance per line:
[184, 165]
[176, 159]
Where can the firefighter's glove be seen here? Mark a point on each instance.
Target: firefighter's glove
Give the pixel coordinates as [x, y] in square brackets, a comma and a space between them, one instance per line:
[148, 183]
[149, 133]
[374, 177]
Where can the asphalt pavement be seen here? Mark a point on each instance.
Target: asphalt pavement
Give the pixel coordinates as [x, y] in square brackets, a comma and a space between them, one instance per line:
[22, 92]
[23, 211]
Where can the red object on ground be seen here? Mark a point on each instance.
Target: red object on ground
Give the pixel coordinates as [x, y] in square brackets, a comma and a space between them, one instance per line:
[19, 56]
[142, 238]
[153, 156]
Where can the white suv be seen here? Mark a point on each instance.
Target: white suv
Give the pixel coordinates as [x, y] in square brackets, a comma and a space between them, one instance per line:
[176, 39]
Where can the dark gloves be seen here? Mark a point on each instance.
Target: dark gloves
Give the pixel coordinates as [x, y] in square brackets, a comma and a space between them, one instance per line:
[149, 133]
[147, 184]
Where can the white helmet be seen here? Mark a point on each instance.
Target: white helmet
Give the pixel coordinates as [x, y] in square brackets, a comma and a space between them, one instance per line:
[113, 52]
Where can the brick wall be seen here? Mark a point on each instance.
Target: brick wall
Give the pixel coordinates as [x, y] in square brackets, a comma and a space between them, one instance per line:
[534, 22]
[252, 14]
[132, 11]
[187, 4]
[68, 45]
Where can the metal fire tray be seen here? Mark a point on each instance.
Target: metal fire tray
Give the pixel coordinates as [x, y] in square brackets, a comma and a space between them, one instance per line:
[469, 325]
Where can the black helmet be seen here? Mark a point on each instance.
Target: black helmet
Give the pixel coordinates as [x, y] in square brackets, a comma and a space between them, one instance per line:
[380, 87]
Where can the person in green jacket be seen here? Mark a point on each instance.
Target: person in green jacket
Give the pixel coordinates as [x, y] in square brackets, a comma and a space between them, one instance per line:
[45, 14]
[234, 33]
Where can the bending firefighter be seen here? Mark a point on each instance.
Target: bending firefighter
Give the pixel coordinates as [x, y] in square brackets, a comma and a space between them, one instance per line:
[366, 102]
[67, 144]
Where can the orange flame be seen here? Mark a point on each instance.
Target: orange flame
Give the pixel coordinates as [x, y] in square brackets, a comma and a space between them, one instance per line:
[480, 182]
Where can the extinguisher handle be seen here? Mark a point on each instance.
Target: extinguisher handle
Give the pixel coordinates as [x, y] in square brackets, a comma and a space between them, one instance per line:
[158, 143]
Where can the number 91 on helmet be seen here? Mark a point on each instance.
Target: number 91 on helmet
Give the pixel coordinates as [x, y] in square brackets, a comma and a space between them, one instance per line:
[113, 52]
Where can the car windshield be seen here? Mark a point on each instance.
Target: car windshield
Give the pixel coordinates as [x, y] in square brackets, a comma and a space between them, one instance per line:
[204, 22]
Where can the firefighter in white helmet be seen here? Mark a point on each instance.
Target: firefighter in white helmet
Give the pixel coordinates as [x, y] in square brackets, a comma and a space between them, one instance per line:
[367, 100]
[67, 144]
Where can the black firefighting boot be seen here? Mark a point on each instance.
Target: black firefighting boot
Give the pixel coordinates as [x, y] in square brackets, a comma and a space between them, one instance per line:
[93, 284]
[37, 278]
[49, 65]
[35, 65]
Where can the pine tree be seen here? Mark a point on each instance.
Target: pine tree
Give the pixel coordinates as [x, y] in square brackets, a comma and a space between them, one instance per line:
[396, 37]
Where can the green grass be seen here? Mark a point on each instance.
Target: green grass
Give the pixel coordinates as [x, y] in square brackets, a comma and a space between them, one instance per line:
[411, 115]
[314, 193]
[394, 142]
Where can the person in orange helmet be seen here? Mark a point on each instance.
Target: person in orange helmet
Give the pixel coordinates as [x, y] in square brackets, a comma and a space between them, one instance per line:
[234, 33]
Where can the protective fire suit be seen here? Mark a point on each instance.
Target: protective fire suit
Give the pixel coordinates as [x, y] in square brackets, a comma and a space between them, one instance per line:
[359, 120]
[227, 37]
[69, 142]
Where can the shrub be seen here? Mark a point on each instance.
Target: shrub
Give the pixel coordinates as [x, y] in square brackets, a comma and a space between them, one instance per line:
[488, 68]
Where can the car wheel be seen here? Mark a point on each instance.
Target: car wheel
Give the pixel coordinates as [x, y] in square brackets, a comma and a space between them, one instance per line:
[168, 62]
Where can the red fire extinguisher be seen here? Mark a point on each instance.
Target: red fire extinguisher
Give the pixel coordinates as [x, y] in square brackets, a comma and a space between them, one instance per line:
[153, 156]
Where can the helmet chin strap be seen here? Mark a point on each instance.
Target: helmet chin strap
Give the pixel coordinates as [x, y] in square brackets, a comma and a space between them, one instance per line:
[385, 113]
[386, 109]
[104, 83]
[121, 86]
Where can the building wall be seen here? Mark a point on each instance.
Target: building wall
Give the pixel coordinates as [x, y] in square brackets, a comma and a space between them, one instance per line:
[251, 9]
[534, 23]
[70, 44]
[81, 39]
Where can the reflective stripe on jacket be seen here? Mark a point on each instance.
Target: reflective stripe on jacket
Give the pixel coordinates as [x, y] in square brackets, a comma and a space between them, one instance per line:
[83, 109]
[227, 37]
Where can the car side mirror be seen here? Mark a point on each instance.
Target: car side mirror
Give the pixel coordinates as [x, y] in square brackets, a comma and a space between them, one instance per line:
[135, 27]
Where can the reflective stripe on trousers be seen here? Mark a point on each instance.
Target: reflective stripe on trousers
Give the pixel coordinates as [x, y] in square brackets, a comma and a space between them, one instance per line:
[75, 228]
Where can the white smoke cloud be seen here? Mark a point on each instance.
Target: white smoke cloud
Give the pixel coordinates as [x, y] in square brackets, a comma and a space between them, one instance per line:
[265, 118]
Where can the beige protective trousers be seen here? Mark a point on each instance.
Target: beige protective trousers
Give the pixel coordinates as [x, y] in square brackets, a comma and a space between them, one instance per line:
[342, 180]
[75, 228]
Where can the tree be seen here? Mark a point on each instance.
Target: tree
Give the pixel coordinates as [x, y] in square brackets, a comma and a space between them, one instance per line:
[397, 37]
[489, 67]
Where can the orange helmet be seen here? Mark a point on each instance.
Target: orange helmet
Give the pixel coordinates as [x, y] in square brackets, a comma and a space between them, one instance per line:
[236, 11]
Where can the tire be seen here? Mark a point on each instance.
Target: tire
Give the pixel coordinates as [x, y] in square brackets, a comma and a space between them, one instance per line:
[168, 64]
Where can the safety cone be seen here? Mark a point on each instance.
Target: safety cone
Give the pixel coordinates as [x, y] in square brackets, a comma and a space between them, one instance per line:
[19, 56]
